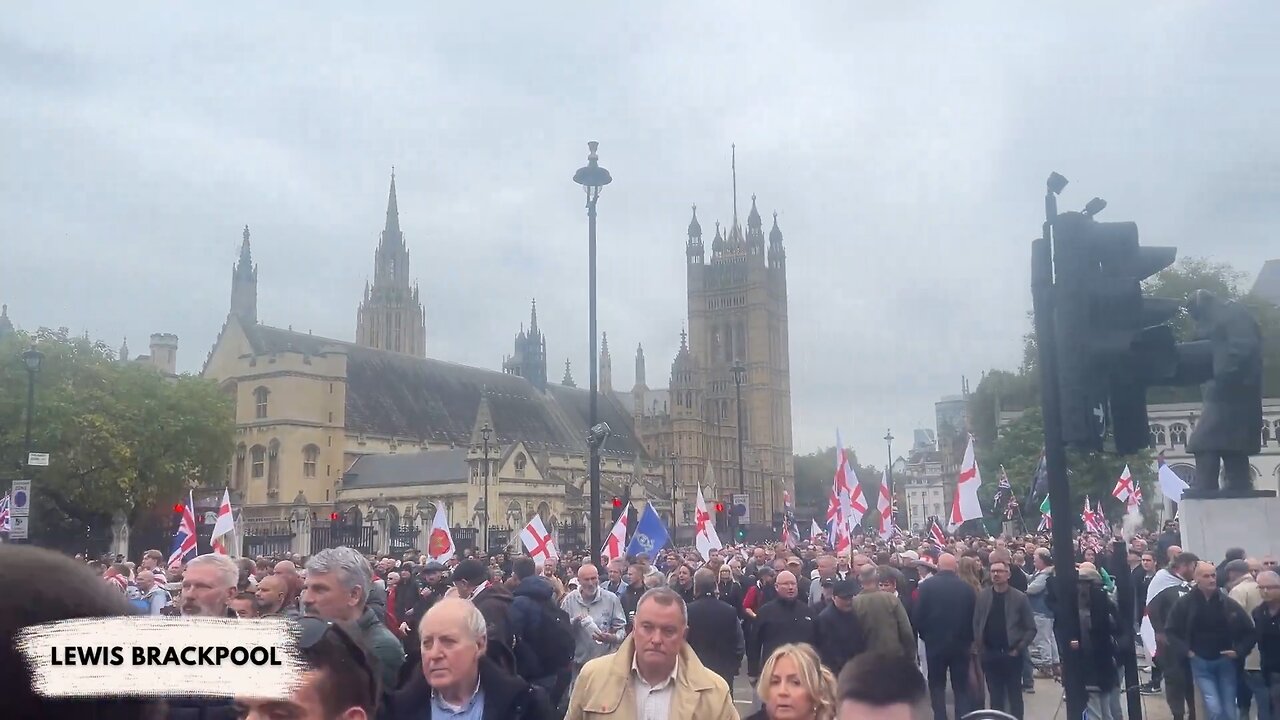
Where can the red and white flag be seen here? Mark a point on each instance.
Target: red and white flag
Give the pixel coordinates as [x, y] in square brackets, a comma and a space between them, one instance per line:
[538, 541]
[965, 506]
[935, 530]
[224, 525]
[440, 545]
[615, 545]
[1134, 504]
[884, 504]
[1094, 520]
[705, 538]
[184, 540]
[1124, 486]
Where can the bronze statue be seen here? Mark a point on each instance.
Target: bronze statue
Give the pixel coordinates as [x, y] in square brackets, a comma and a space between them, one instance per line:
[1226, 358]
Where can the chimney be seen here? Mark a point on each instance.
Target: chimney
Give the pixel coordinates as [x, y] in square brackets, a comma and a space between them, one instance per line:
[164, 352]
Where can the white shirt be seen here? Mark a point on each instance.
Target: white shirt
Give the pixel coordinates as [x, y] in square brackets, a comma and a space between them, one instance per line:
[653, 702]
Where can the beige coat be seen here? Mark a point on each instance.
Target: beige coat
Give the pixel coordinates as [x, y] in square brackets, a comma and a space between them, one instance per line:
[1246, 593]
[603, 689]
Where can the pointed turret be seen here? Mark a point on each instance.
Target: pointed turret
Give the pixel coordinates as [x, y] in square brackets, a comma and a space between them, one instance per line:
[753, 218]
[6, 325]
[393, 211]
[484, 416]
[777, 253]
[244, 284]
[695, 228]
[567, 381]
[533, 319]
[717, 243]
[606, 364]
[529, 359]
[640, 381]
[123, 357]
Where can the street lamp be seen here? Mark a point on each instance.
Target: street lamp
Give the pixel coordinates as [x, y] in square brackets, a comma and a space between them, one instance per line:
[739, 373]
[888, 470]
[32, 359]
[484, 435]
[592, 178]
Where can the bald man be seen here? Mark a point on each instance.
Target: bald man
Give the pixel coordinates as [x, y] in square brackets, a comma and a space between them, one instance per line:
[944, 619]
[1222, 633]
[287, 570]
[782, 620]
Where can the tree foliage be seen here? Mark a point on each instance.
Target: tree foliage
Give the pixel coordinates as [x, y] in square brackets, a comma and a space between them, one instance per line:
[814, 473]
[120, 437]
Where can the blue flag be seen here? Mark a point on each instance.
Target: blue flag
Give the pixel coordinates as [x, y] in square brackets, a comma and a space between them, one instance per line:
[650, 536]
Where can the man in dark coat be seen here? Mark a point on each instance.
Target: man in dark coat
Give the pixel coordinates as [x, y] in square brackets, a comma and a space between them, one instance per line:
[531, 594]
[840, 635]
[715, 635]
[1228, 359]
[471, 577]
[944, 619]
[780, 621]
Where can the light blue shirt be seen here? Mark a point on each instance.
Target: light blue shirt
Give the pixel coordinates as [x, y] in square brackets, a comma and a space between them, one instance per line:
[472, 709]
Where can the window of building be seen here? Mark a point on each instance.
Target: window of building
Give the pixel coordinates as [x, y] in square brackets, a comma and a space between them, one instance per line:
[310, 454]
[521, 462]
[273, 465]
[1158, 438]
[258, 458]
[238, 475]
[1178, 434]
[260, 402]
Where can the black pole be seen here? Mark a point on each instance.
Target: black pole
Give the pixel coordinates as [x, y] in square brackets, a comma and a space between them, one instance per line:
[486, 494]
[594, 458]
[888, 473]
[1067, 614]
[1128, 651]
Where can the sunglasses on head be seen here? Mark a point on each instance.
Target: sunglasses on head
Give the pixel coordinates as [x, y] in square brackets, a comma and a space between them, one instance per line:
[314, 629]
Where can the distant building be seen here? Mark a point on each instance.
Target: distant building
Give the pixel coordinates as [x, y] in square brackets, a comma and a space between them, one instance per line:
[923, 485]
[1267, 284]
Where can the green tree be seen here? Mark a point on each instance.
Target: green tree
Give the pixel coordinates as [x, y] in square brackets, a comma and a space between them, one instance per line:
[814, 473]
[120, 437]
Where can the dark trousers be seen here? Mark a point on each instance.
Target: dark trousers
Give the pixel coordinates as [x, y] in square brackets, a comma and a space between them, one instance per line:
[1004, 681]
[939, 665]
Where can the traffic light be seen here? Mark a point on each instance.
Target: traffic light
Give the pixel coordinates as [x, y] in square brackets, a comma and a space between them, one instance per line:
[719, 509]
[333, 517]
[740, 534]
[617, 509]
[178, 508]
[1112, 341]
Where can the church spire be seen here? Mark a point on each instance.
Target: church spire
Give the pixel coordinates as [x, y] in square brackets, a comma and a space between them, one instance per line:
[640, 380]
[393, 211]
[567, 381]
[606, 363]
[123, 357]
[244, 283]
[533, 319]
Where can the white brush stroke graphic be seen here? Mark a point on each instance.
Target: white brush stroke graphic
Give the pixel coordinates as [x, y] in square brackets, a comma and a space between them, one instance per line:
[115, 674]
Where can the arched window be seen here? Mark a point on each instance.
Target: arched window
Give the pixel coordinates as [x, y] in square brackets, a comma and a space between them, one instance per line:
[237, 477]
[310, 454]
[260, 402]
[1158, 438]
[393, 517]
[258, 459]
[1178, 434]
[353, 517]
[521, 462]
[273, 465]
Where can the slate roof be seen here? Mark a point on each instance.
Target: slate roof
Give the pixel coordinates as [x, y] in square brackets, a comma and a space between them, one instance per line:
[432, 467]
[394, 394]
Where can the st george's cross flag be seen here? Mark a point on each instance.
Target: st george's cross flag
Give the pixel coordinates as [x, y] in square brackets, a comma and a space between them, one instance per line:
[224, 526]
[705, 538]
[884, 504]
[966, 506]
[615, 543]
[1124, 486]
[538, 542]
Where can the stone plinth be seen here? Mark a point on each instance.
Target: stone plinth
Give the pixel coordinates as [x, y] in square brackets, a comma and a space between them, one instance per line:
[1211, 526]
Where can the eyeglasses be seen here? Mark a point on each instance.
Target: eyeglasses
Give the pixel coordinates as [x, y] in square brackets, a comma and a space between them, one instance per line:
[313, 630]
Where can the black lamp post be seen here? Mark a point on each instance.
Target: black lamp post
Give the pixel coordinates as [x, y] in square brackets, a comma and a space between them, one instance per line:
[593, 178]
[484, 435]
[888, 469]
[738, 375]
[32, 359]
[674, 466]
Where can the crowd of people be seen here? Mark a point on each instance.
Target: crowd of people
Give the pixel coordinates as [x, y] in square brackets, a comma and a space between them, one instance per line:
[909, 629]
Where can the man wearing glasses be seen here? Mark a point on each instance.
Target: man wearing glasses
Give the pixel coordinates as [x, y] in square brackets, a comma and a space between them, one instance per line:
[338, 683]
[1002, 628]
[1266, 619]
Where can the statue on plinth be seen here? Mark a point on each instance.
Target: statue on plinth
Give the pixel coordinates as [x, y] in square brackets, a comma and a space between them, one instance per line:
[1226, 358]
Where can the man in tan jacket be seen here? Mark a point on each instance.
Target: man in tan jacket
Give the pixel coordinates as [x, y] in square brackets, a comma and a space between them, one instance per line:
[654, 675]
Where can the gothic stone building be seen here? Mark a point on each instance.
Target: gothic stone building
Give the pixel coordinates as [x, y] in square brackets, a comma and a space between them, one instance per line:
[375, 428]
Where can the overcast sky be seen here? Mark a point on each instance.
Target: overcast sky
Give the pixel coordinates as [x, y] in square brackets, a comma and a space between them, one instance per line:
[905, 150]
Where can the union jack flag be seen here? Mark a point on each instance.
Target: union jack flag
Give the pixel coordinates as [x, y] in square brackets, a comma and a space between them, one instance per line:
[4, 513]
[935, 530]
[184, 540]
[1011, 510]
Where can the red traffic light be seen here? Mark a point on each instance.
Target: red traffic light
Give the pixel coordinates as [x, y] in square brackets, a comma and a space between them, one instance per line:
[617, 503]
[719, 507]
[333, 517]
[178, 508]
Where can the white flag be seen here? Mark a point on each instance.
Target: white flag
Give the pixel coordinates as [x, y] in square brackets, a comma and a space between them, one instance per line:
[1170, 484]
[615, 545]
[884, 504]
[224, 526]
[815, 529]
[965, 506]
[705, 538]
[538, 541]
[440, 545]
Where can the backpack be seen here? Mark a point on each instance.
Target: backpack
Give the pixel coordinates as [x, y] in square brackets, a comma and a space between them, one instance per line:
[550, 639]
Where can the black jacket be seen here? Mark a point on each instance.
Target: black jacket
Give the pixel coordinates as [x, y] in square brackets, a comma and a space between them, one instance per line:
[1267, 626]
[840, 638]
[944, 614]
[202, 708]
[1183, 617]
[506, 697]
[494, 603]
[1101, 637]
[781, 621]
[529, 597]
[715, 635]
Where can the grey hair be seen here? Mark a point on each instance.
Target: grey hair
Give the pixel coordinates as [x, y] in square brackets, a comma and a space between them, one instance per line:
[704, 581]
[227, 569]
[348, 565]
[472, 619]
[667, 597]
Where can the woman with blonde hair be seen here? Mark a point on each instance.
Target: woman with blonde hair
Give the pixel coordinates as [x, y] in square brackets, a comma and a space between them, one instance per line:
[795, 686]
